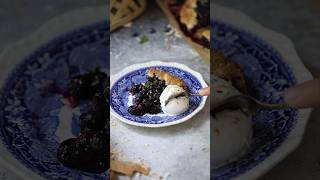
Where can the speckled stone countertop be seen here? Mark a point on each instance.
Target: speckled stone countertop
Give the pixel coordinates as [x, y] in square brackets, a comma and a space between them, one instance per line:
[298, 20]
[176, 152]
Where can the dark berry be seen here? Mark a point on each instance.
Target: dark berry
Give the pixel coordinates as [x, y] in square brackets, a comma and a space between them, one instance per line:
[147, 97]
[89, 152]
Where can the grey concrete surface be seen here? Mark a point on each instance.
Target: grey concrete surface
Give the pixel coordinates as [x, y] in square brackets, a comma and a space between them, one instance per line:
[298, 20]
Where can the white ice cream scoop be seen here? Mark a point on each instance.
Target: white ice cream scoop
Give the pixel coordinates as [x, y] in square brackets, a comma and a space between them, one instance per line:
[231, 131]
[174, 100]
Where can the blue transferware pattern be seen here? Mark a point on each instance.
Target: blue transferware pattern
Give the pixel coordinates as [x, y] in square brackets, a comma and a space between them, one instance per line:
[120, 94]
[268, 76]
[29, 108]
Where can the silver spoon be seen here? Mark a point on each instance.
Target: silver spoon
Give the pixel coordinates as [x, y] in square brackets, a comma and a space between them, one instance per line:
[193, 94]
[305, 95]
[244, 102]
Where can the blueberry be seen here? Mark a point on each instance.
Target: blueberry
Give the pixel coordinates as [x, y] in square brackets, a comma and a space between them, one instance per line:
[90, 151]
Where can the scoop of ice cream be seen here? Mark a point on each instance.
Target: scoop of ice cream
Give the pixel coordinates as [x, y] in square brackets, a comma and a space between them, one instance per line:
[174, 100]
[231, 130]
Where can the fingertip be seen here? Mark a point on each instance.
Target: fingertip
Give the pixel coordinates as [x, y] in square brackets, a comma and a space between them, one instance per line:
[205, 91]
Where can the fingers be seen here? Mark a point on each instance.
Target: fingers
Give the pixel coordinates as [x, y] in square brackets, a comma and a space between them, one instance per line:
[305, 95]
[205, 91]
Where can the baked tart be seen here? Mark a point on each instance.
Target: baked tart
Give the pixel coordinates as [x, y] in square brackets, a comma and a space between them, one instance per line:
[124, 11]
[167, 77]
[156, 94]
[192, 19]
[232, 129]
[228, 70]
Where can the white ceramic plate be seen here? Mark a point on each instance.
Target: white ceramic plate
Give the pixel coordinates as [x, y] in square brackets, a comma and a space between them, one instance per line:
[124, 80]
[272, 65]
[24, 149]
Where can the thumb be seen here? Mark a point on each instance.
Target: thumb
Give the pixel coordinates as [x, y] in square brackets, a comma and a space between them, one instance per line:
[305, 95]
[204, 91]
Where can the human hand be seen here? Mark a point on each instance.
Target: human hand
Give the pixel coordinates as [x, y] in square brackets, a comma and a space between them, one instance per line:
[305, 95]
[205, 91]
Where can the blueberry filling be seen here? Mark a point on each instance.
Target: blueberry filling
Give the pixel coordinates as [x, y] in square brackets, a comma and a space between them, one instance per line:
[147, 97]
[203, 18]
[84, 87]
[90, 152]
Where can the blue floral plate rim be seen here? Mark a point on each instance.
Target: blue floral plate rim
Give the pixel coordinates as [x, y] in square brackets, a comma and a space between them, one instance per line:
[115, 78]
[14, 53]
[286, 50]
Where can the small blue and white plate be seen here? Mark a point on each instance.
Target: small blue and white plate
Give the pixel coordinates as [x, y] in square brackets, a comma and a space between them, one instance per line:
[271, 65]
[122, 82]
[34, 118]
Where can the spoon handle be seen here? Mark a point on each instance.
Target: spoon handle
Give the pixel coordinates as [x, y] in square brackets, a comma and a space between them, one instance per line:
[305, 95]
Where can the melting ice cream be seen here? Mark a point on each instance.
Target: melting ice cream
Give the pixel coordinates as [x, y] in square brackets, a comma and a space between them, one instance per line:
[174, 100]
[231, 130]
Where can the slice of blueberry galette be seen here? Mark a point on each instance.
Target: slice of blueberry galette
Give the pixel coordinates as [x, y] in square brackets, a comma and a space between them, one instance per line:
[228, 70]
[161, 92]
[192, 19]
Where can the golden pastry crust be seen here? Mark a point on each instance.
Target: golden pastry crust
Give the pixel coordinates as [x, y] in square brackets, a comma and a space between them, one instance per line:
[202, 50]
[227, 70]
[120, 14]
[128, 168]
[204, 33]
[188, 15]
[167, 77]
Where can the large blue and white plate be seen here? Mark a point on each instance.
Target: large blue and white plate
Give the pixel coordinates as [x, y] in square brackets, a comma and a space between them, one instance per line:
[271, 65]
[124, 80]
[34, 118]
